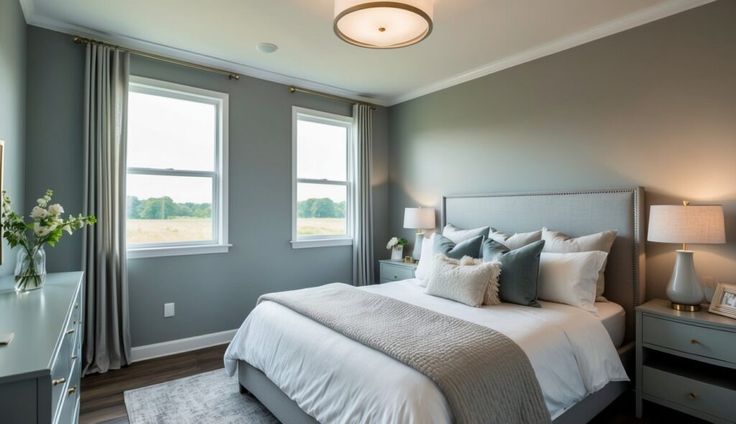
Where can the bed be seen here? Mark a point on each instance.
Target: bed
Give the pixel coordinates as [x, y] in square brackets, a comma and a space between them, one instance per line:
[300, 370]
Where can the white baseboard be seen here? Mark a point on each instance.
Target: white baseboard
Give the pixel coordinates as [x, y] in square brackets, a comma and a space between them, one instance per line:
[172, 347]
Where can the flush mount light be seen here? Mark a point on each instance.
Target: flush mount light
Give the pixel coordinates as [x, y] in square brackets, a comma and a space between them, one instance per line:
[267, 47]
[383, 24]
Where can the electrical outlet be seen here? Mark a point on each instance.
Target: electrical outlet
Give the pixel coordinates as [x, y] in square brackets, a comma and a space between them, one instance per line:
[169, 310]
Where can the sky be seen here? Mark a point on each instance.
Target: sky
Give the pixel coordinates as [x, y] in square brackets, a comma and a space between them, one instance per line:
[168, 133]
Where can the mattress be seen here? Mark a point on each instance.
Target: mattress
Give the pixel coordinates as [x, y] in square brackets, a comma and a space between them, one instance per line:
[613, 318]
[336, 379]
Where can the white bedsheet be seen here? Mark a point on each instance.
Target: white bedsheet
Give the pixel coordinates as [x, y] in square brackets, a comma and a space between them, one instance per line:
[613, 318]
[338, 380]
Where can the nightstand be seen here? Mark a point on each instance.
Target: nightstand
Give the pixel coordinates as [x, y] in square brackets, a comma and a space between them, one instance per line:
[395, 270]
[686, 361]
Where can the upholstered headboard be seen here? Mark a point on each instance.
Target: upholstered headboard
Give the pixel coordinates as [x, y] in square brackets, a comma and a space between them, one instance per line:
[576, 214]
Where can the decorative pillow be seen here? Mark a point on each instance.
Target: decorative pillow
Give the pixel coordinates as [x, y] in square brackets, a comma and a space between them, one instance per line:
[469, 247]
[570, 278]
[426, 259]
[458, 235]
[557, 242]
[468, 284]
[519, 271]
[516, 240]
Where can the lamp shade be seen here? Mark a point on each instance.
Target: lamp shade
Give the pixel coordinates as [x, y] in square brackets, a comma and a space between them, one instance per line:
[686, 224]
[419, 218]
[383, 24]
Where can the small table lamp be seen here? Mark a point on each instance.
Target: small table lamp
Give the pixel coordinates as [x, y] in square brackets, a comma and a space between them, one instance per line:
[686, 224]
[419, 219]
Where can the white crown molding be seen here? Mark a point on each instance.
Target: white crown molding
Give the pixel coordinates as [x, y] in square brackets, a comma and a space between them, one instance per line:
[624, 23]
[35, 19]
[172, 347]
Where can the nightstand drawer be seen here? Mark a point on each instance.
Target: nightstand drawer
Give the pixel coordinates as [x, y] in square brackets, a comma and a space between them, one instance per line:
[690, 394]
[693, 339]
[390, 272]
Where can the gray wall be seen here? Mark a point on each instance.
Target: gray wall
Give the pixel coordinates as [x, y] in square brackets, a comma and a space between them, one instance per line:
[12, 108]
[212, 292]
[653, 106]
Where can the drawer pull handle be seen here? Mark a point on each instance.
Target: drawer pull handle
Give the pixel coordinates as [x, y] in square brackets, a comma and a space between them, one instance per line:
[58, 381]
[692, 395]
[70, 331]
[74, 357]
[694, 341]
[72, 390]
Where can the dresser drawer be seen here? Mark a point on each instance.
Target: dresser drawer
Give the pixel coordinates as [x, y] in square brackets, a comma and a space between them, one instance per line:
[70, 397]
[390, 272]
[690, 394]
[62, 366]
[707, 342]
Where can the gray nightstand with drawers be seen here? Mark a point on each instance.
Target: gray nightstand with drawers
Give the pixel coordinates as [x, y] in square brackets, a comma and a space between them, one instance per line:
[686, 361]
[395, 271]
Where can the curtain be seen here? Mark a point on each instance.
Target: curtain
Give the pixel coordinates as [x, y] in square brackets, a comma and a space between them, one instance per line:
[363, 197]
[106, 321]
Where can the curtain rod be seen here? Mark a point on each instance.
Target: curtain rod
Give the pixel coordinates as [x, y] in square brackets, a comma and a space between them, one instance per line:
[293, 90]
[230, 75]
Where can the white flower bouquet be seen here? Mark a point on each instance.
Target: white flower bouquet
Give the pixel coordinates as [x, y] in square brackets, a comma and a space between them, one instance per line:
[47, 226]
[396, 246]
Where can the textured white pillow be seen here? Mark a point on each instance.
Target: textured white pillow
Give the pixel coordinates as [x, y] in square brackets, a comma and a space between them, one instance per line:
[464, 280]
[517, 240]
[570, 278]
[426, 259]
[557, 242]
[458, 235]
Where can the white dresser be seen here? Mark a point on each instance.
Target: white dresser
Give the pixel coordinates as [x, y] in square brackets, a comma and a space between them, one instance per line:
[40, 369]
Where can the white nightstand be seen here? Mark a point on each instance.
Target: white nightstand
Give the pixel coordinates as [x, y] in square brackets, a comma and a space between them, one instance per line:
[686, 361]
[396, 270]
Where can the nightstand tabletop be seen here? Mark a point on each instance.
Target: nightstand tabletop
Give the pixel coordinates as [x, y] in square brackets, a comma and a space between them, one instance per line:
[662, 308]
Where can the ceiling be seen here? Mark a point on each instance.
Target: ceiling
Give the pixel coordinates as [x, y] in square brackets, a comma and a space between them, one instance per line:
[471, 38]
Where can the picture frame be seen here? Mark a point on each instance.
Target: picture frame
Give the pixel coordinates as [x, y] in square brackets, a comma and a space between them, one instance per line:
[724, 301]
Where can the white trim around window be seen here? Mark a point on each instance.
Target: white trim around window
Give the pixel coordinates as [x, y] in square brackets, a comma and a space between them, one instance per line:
[219, 176]
[297, 242]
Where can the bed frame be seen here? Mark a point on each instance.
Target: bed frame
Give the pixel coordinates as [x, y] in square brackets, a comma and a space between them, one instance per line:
[574, 213]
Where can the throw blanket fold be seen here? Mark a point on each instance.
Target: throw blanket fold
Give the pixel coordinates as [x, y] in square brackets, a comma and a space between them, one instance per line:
[484, 375]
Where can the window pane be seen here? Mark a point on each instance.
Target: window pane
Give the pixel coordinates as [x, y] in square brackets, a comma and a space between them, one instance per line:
[166, 209]
[321, 151]
[164, 132]
[321, 210]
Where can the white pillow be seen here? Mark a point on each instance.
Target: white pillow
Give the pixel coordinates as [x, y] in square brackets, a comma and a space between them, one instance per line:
[457, 235]
[557, 242]
[426, 259]
[517, 240]
[570, 278]
[464, 280]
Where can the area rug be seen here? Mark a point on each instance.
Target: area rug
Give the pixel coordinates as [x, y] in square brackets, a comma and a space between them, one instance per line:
[211, 397]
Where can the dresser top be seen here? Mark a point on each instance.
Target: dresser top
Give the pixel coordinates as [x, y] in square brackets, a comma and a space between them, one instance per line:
[399, 263]
[37, 318]
[662, 308]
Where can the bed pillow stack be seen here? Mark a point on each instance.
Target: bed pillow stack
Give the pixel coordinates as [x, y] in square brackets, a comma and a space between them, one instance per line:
[466, 280]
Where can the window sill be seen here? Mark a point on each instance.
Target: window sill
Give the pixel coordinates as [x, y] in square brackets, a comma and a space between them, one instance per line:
[153, 252]
[305, 244]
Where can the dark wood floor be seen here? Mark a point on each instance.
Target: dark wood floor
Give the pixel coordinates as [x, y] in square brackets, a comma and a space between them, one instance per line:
[102, 394]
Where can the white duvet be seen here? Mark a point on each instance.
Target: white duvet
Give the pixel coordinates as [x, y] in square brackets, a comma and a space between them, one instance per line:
[338, 380]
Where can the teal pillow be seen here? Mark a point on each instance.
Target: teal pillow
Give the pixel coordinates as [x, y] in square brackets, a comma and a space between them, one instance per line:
[519, 271]
[469, 247]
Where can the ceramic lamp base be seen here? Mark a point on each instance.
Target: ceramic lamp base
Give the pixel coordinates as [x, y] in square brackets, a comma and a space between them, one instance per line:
[684, 289]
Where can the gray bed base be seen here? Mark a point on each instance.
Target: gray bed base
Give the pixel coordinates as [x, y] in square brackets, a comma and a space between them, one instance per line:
[574, 213]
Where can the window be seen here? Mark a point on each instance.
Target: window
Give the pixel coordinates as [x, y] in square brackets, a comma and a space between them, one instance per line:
[177, 169]
[322, 178]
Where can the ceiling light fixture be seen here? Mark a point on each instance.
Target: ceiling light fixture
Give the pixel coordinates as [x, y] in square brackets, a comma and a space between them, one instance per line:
[383, 24]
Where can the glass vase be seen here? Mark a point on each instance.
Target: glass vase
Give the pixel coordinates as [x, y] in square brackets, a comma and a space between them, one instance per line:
[30, 271]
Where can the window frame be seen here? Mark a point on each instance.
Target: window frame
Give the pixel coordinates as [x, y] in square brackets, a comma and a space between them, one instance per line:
[219, 176]
[348, 122]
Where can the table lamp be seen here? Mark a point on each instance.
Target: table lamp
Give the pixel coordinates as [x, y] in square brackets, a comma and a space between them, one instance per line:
[419, 219]
[686, 224]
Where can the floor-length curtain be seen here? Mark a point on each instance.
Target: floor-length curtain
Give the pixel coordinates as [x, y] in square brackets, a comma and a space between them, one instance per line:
[106, 323]
[362, 216]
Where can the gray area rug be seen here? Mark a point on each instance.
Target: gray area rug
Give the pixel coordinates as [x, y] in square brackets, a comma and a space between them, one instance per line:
[211, 397]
